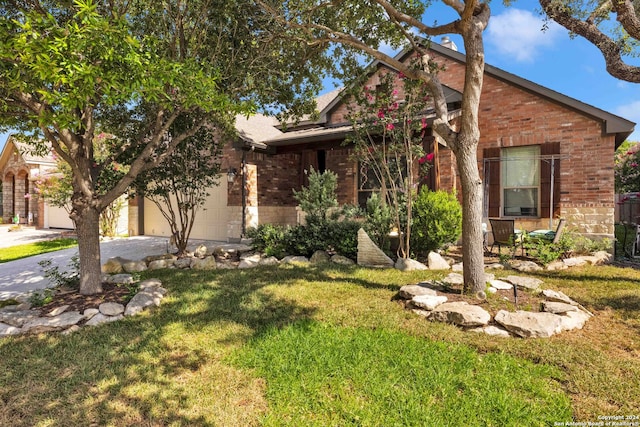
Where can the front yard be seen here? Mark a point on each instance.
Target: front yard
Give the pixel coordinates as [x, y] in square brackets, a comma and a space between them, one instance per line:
[295, 346]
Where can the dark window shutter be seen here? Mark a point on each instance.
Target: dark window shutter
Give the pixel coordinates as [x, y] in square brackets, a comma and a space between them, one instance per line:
[308, 160]
[547, 149]
[492, 180]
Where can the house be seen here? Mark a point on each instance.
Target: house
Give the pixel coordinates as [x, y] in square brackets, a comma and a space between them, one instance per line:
[543, 156]
[20, 168]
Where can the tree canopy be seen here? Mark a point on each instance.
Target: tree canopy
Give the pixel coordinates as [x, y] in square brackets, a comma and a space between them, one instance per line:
[131, 68]
[613, 26]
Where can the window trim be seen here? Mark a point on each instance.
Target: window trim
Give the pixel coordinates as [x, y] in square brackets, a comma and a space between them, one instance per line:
[503, 175]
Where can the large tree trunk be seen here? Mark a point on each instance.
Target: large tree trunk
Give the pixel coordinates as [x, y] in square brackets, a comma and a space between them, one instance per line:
[87, 219]
[472, 237]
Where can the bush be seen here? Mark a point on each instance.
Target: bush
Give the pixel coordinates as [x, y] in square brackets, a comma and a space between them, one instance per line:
[270, 239]
[437, 219]
[378, 221]
[570, 244]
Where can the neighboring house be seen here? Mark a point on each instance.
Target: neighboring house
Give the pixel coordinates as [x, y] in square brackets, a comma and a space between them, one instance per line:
[542, 155]
[19, 170]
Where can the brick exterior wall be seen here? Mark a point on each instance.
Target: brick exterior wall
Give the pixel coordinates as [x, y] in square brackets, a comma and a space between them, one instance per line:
[509, 117]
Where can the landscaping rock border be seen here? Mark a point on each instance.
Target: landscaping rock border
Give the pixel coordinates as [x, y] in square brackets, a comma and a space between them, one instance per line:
[22, 319]
[558, 313]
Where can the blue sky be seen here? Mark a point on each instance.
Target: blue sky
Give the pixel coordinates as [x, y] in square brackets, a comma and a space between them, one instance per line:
[515, 42]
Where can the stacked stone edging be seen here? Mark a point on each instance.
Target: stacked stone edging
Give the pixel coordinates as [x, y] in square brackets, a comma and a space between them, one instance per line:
[23, 319]
[558, 313]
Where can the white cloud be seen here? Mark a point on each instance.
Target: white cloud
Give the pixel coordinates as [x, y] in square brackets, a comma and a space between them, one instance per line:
[518, 34]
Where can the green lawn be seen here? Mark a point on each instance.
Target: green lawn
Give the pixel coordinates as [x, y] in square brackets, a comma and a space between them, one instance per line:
[324, 346]
[23, 251]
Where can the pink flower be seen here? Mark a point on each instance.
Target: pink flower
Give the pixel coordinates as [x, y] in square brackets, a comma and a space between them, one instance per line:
[634, 165]
[381, 114]
[424, 123]
[430, 157]
[422, 160]
[395, 92]
[390, 126]
[401, 75]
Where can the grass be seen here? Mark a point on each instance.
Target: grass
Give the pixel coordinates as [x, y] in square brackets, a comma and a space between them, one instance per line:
[23, 251]
[324, 346]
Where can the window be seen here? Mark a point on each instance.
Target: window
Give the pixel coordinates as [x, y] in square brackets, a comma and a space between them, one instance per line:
[520, 172]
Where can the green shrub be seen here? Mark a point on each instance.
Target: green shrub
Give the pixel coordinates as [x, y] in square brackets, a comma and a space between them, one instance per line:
[378, 221]
[570, 244]
[437, 219]
[269, 239]
[319, 197]
[342, 238]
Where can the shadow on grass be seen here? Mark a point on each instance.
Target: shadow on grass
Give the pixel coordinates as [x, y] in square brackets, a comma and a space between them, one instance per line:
[145, 370]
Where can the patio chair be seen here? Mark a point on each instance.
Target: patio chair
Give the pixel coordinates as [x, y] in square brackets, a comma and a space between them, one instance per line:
[551, 236]
[504, 233]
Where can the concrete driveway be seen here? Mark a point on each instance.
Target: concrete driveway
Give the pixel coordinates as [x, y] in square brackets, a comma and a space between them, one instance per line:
[25, 275]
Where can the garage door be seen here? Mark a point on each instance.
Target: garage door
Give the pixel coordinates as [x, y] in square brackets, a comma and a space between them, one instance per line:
[211, 221]
[56, 218]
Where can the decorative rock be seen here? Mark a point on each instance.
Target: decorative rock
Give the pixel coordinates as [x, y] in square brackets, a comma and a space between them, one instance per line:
[250, 255]
[524, 266]
[295, 260]
[500, 285]
[166, 257]
[573, 320]
[370, 255]
[149, 283]
[141, 301]
[492, 330]
[226, 265]
[201, 251]
[528, 324]
[113, 265]
[101, 318]
[182, 263]
[58, 311]
[423, 313]
[557, 307]
[407, 264]
[134, 266]
[122, 279]
[602, 257]
[457, 267]
[55, 323]
[556, 265]
[70, 330]
[269, 261]
[489, 277]
[530, 283]
[111, 308]
[90, 312]
[461, 314]
[491, 290]
[412, 291]
[454, 279]
[574, 262]
[557, 296]
[208, 263]
[320, 257]
[494, 266]
[6, 330]
[342, 260]
[428, 302]
[160, 264]
[436, 262]
[18, 318]
[249, 262]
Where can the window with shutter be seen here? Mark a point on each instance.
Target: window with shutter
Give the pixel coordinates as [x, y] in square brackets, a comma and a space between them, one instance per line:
[520, 173]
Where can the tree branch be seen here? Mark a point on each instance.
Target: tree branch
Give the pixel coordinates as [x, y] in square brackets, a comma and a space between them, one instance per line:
[611, 50]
